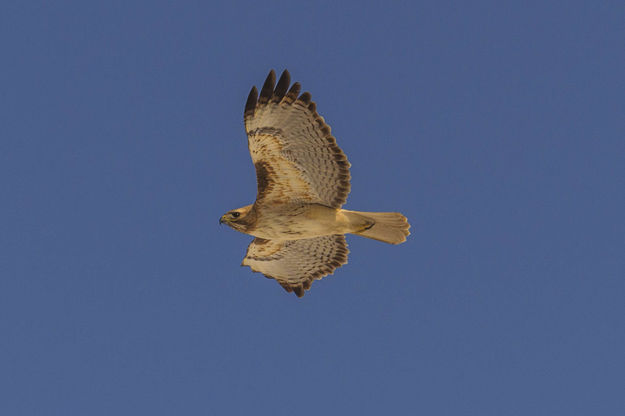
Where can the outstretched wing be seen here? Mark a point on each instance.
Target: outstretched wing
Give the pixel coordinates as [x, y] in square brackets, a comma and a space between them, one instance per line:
[296, 263]
[296, 157]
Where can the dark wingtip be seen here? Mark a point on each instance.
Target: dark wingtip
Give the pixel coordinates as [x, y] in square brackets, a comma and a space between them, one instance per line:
[282, 87]
[267, 90]
[299, 291]
[291, 96]
[305, 98]
[250, 105]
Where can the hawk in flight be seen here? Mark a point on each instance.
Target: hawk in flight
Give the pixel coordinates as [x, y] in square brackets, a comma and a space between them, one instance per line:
[303, 180]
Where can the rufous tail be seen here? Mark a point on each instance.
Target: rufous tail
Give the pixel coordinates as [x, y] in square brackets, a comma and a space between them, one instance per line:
[389, 227]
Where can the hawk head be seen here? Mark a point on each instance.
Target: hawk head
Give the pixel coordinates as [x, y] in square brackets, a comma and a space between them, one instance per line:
[239, 219]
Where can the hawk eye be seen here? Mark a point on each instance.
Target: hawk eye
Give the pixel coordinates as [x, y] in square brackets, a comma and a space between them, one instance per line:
[236, 214]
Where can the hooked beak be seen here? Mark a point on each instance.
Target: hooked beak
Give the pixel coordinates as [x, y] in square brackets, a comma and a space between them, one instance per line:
[221, 220]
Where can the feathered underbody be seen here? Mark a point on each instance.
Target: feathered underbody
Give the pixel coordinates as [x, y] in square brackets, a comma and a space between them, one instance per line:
[303, 180]
[295, 221]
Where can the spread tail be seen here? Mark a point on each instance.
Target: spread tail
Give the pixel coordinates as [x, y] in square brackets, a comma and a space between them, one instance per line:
[389, 227]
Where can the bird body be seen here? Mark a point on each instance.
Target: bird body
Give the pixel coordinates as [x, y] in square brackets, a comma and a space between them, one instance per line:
[297, 221]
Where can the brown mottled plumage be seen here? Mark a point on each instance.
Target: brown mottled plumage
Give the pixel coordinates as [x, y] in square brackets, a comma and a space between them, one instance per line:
[303, 181]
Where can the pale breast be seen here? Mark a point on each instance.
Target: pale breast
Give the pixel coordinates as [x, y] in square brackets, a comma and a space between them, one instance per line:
[297, 221]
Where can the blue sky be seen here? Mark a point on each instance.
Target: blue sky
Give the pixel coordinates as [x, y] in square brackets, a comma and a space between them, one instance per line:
[497, 128]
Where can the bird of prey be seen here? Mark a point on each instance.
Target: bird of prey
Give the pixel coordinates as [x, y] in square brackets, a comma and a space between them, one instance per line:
[303, 181]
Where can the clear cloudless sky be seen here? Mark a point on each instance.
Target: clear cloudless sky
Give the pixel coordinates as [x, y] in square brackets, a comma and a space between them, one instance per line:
[496, 127]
